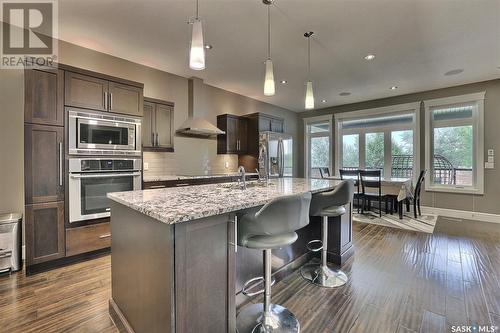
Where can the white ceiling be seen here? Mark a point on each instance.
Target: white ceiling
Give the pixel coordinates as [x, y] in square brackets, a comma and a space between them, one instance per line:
[415, 43]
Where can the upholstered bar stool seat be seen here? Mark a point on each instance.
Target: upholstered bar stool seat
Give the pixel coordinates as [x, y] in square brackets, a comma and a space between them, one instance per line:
[271, 227]
[328, 204]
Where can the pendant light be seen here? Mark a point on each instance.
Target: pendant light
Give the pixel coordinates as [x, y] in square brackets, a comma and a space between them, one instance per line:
[309, 101]
[269, 86]
[197, 49]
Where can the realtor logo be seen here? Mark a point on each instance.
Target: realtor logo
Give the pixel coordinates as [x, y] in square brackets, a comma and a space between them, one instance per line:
[29, 33]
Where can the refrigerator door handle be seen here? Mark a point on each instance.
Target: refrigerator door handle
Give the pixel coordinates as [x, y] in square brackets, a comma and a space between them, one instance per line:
[281, 157]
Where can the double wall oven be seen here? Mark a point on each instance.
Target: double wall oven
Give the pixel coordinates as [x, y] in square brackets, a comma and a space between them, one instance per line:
[111, 145]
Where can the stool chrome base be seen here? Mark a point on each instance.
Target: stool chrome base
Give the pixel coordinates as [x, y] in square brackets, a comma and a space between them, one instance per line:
[323, 276]
[251, 317]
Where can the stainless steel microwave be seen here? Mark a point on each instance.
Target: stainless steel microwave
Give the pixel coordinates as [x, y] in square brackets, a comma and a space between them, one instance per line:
[102, 133]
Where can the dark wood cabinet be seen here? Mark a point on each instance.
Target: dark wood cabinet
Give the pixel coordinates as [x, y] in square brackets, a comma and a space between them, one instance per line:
[234, 141]
[125, 99]
[44, 232]
[88, 238]
[44, 97]
[43, 163]
[268, 123]
[157, 125]
[86, 91]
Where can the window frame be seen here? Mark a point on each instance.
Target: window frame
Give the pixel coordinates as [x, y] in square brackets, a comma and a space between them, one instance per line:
[308, 136]
[477, 100]
[407, 108]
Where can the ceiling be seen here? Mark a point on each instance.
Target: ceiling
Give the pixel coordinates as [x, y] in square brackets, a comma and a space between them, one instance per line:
[415, 43]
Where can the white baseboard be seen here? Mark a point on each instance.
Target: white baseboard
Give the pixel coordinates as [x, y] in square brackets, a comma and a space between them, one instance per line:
[462, 214]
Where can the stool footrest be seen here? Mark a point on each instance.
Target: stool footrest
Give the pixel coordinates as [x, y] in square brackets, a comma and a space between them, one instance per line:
[315, 249]
[252, 283]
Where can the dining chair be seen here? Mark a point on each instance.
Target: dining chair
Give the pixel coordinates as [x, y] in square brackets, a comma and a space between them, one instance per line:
[354, 175]
[325, 172]
[416, 193]
[372, 179]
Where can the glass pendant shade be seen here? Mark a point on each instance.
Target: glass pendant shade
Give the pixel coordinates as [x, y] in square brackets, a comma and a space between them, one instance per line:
[309, 103]
[197, 51]
[269, 88]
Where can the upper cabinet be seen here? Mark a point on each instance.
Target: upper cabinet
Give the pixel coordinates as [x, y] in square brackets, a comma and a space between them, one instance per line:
[157, 125]
[235, 139]
[86, 91]
[269, 123]
[44, 97]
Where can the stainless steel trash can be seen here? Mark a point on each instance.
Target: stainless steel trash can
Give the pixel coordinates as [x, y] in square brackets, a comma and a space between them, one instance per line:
[10, 242]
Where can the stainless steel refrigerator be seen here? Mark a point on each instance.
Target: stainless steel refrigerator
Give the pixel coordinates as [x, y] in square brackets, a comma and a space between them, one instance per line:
[279, 150]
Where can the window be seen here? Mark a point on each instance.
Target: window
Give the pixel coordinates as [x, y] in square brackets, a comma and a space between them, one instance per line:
[374, 151]
[350, 148]
[454, 144]
[382, 138]
[318, 145]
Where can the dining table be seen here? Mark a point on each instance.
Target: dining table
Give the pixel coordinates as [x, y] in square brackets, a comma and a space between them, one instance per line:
[400, 188]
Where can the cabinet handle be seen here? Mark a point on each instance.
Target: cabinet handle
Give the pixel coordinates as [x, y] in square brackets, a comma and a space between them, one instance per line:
[155, 186]
[236, 233]
[105, 100]
[61, 166]
[157, 139]
[104, 236]
[110, 101]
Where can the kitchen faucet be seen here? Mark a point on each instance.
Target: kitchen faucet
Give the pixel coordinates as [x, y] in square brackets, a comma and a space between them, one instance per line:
[242, 180]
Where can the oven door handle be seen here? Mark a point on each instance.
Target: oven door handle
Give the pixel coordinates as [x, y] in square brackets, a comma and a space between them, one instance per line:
[114, 175]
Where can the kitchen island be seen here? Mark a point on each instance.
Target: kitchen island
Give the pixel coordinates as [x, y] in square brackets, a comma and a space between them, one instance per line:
[175, 264]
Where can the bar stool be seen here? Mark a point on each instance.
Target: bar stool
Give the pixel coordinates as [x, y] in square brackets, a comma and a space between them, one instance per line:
[271, 227]
[327, 204]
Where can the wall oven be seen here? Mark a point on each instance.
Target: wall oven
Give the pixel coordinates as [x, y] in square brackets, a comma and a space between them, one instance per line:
[102, 133]
[91, 179]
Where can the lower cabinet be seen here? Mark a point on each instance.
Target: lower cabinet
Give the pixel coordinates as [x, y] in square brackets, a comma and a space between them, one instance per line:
[88, 238]
[44, 232]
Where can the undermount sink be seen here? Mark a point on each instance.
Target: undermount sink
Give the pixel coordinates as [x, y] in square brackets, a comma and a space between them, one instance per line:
[249, 184]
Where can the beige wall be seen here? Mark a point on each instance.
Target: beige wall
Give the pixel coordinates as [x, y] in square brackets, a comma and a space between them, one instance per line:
[11, 141]
[487, 203]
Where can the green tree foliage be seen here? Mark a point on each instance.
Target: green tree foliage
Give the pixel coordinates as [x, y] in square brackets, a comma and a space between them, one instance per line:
[455, 144]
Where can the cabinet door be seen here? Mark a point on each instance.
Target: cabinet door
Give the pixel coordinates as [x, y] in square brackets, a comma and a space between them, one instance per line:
[264, 124]
[148, 125]
[277, 125]
[125, 99]
[44, 99]
[85, 91]
[232, 135]
[163, 124]
[43, 163]
[242, 135]
[44, 232]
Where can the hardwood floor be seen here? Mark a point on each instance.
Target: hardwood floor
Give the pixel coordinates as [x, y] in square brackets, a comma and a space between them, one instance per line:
[399, 281]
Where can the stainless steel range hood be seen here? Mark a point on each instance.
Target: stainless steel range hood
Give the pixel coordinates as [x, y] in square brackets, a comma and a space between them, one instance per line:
[197, 126]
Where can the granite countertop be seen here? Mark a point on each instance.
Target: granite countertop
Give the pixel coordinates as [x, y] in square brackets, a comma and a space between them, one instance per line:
[174, 205]
[182, 177]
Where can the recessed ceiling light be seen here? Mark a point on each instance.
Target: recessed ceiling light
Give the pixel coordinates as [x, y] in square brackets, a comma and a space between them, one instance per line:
[323, 101]
[283, 81]
[394, 87]
[208, 47]
[345, 93]
[370, 57]
[454, 72]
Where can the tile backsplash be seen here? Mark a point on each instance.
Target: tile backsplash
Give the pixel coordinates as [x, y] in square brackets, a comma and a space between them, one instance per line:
[162, 164]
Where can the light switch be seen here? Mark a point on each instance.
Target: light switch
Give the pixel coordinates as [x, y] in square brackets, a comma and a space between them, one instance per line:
[146, 166]
[491, 159]
[489, 165]
[491, 152]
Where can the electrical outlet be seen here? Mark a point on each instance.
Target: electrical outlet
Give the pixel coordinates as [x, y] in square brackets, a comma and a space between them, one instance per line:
[226, 164]
[146, 166]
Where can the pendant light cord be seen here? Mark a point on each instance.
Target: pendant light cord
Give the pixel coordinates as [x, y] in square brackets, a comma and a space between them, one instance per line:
[309, 58]
[269, 31]
[197, 10]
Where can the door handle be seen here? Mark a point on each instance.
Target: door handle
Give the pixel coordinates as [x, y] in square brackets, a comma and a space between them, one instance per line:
[152, 139]
[157, 139]
[61, 166]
